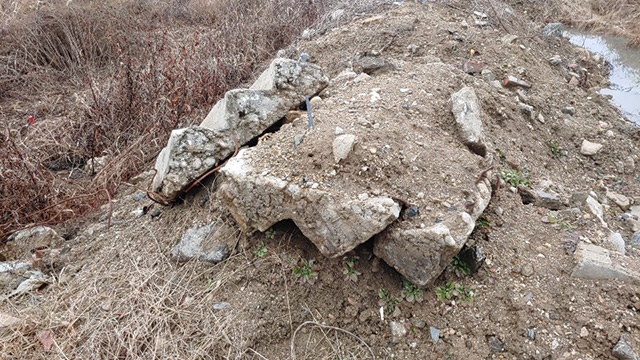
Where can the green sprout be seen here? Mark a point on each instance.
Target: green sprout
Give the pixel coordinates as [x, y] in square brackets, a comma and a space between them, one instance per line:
[350, 272]
[305, 272]
[411, 292]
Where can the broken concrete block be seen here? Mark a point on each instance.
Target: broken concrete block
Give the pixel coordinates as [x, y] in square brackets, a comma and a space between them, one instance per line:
[595, 262]
[189, 154]
[239, 117]
[421, 254]
[334, 222]
[467, 113]
[596, 209]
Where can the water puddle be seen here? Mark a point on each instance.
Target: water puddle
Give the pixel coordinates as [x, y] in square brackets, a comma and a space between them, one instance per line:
[625, 70]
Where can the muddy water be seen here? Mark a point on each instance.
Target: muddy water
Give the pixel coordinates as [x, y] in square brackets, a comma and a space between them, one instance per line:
[625, 70]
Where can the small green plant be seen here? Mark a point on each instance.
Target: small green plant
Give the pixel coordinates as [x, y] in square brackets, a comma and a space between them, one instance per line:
[270, 234]
[350, 272]
[514, 177]
[305, 273]
[460, 267]
[556, 151]
[261, 250]
[483, 222]
[411, 292]
[390, 303]
[452, 291]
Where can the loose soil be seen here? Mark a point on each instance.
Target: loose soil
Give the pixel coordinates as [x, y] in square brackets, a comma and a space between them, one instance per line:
[117, 294]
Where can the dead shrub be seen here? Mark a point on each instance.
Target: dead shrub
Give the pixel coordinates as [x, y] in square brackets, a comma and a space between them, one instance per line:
[136, 70]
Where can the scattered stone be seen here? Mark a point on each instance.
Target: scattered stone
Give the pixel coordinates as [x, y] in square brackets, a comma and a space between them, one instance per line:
[624, 351]
[531, 334]
[472, 66]
[37, 237]
[549, 200]
[629, 165]
[569, 110]
[372, 65]
[293, 115]
[596, 209]
[527, 270]
[527, 110]
[398, 331]
[495, 344]
[209, 243]
[467, 114]
[589, 148]
[342, 146]
[622, 201]
[555, 60]
[12, 273]
[584, 332]
[7, 321]
[333, 221]
[512, 82]
[595, 262]
[553, 29]
[617, 242]
[635, 239]
[435, 334]
[155, 213]
[297, 140]
[487, 75]
[221, 305]
[315, 101]
[509, 39]
[139, 195]
[419, 323]
[361, 77]
[574, 81]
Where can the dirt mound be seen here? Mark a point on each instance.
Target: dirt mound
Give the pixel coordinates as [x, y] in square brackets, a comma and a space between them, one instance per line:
[117, 294]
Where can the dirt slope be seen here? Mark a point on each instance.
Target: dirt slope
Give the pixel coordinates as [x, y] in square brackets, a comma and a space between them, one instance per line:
[117, 293]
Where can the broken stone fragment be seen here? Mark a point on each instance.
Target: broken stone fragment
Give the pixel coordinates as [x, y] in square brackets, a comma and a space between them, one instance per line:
[467, 114]
[189, 153]
[512, 81]
[342, 146]
[589, 148]
[38, 237]
[211, 243]
[333, 221]
[622, 201]
[372, 65]
[421, 254]
[597, 263]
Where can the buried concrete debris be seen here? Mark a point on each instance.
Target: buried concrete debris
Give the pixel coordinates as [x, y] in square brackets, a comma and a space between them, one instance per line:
[240, 116]
[467, 113]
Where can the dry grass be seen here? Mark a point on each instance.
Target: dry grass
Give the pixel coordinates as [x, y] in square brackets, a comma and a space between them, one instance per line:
[113, 79]
[617, 18]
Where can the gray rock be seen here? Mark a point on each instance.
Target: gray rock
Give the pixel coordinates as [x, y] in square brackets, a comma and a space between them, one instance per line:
[12, 273]
[617, 242]
[209, 243]
[495, 344]
[553, 29]
[569, 110]
[37, 237]
[596, 209]
[622, 201]
[635, 239]
[398, 331]
[624, 351]
[589, 148]
[189, 154]
[435, 334]
[527, 195]
[335, 223]
[595, 262]
[467, 114]
[555, 60]
[342, 146]
[239, 117]
[373, 65]
[548, 200]
[421, 254]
